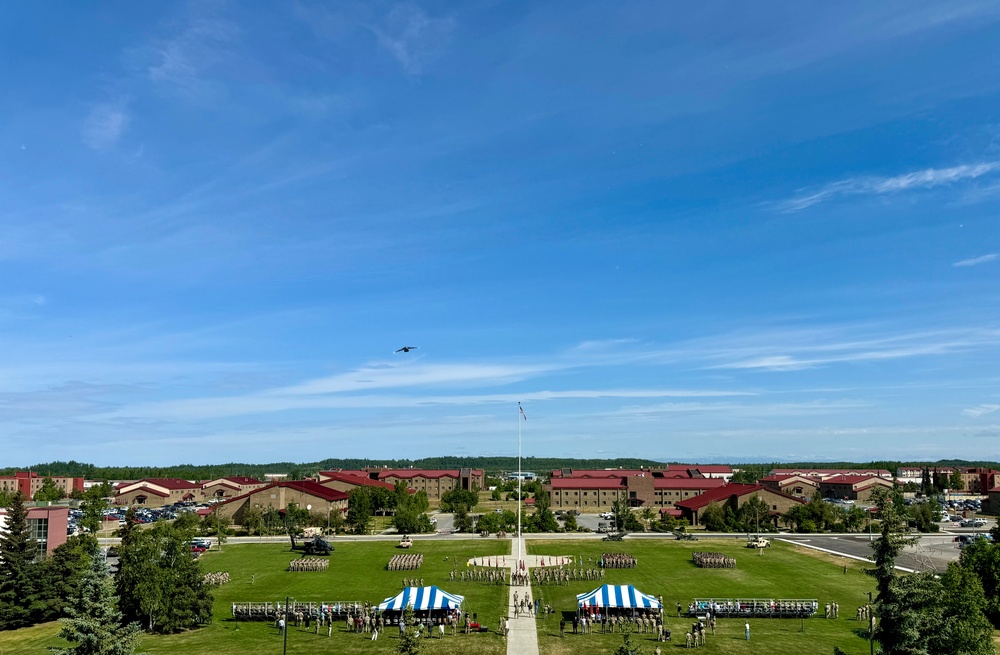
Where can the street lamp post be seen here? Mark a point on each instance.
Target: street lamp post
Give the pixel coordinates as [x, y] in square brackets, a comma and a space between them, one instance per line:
[284, 645]
[871, 625]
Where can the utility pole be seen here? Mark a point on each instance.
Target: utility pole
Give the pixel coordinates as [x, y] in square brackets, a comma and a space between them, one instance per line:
[871, 625]
[284, 646]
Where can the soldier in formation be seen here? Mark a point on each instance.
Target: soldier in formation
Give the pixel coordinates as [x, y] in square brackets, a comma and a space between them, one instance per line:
[407, 562]
[713, 560]
[309, 564]
[216, 579]
[618, 561]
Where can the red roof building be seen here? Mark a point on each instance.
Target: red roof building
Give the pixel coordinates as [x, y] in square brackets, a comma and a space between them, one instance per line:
[644, 489]
[157, 492]
[307, 494]
[434, 482]
[852, 487]
[733, 496]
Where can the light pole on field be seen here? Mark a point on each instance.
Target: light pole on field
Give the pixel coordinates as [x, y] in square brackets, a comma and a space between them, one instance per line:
[871, 625]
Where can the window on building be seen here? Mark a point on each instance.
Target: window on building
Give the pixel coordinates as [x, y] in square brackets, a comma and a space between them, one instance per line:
[39, 531]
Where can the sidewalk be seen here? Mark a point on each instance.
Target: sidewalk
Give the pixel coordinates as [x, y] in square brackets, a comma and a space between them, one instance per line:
[523, 637]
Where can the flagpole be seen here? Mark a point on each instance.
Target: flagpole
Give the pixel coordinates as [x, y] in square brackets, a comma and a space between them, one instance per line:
[519, 414]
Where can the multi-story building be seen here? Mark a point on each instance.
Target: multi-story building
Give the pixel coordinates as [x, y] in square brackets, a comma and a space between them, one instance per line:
[823, 474]
[46, 525]
[346, 482]
[436, 482]
[669, 471]
[29, 482]
[640, 488]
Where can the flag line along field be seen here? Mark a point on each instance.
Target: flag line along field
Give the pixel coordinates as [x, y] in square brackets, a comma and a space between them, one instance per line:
[358, 571]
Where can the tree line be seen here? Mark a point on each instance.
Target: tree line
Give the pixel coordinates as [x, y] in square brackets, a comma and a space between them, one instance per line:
[924, 613]
[158, 588]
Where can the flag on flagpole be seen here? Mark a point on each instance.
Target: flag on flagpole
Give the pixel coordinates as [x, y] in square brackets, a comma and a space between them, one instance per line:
[520, 409]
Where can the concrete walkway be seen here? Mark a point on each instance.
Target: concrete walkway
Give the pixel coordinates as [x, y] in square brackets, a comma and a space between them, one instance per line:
[523, 637]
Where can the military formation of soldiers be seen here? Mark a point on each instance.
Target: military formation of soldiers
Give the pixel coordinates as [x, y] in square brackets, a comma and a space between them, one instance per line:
[519, 579]
[593, 620]
[713, 560]
[413, 582]
[309, 564]
[216, 578]
[832, 611]
[562, 576]
[406, 562]
[489, 576]
[619, 561]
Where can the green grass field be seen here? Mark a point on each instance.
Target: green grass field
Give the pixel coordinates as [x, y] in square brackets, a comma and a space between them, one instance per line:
[357, 572]
[665, 568]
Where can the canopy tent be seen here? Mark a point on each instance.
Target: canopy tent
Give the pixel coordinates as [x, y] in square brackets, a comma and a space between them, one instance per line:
[619, 596]
[422, 598]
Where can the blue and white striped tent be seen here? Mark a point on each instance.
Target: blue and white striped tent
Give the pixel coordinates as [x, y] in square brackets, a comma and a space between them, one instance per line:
[422, 598]
[624, 596]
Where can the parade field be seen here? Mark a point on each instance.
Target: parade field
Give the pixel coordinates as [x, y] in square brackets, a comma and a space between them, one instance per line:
[665, 568]
[357, 571]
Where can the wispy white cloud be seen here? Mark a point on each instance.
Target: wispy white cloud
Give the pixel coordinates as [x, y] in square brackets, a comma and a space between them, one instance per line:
[980, 410]
[184, 58]
[105, 125]
[412, 37]
[976, 261]
[795, 350]
[877, 186]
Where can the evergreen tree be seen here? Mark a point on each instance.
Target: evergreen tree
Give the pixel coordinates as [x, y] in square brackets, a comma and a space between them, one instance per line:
[95, 624]
[58, 577]
[17, 567]
[409, 641]
[898, 628]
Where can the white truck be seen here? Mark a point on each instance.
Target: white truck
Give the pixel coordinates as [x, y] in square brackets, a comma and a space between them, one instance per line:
[758, 542]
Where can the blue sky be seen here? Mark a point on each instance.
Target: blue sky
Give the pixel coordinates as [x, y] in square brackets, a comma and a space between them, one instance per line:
[682, 232]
